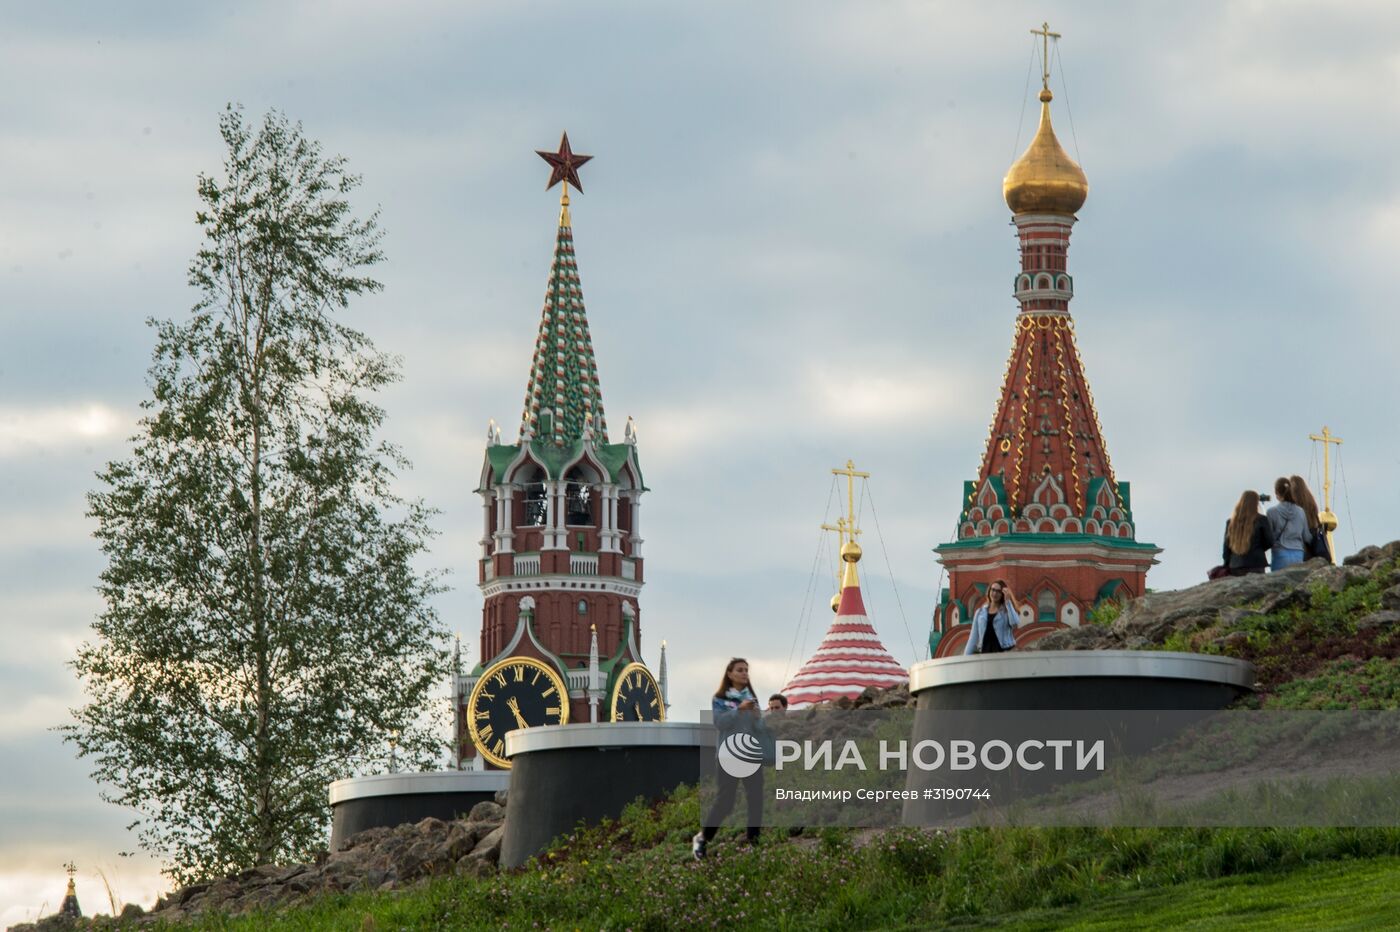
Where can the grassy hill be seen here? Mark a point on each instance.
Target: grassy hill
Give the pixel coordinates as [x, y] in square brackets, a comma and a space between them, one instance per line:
[1322, 637]
[637, 874]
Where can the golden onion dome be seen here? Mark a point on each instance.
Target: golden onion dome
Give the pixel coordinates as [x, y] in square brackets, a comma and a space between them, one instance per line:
[850, 551]
[836, 602]
[1045, 179]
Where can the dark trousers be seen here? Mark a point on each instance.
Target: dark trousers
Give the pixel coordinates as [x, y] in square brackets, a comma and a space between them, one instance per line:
[724, 802]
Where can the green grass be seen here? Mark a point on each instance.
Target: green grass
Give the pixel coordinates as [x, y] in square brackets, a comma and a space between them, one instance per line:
[1345, 895]
[1311, 655]
[636, 873]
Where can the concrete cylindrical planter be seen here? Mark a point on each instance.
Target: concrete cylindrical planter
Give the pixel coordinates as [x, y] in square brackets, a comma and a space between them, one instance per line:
[390, 799]
[1080, 679]
[564, 774]
[1131, 700]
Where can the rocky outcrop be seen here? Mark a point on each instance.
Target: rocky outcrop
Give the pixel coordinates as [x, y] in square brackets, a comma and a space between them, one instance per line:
[376, 859]
[873, 697]
[1150, 619]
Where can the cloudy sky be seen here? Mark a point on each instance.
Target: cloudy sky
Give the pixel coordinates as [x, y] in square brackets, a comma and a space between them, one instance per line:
[793, 250]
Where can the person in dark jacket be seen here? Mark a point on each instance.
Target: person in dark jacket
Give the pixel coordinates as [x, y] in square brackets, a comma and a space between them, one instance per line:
[1248, 537]
[735, 708]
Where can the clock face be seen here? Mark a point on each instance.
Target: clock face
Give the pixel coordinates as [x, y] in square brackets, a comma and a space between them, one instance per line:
[636, 697]
[518, 692]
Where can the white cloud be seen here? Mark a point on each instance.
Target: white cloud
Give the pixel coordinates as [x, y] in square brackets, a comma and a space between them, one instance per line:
[50, 429]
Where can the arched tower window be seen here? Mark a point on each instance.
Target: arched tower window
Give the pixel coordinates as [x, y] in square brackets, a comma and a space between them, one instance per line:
[579, 494]
[582, 607]
[536, 508]
[1045, 604]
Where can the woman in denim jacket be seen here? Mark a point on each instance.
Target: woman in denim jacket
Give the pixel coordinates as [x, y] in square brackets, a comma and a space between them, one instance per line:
[994, 624]
[735, 708]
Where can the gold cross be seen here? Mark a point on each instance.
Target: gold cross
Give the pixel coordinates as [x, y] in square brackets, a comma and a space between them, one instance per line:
[851, 475]
[1326, 438]
[1328, 519]
[840, 528]
[71, 869]
[1046, 35]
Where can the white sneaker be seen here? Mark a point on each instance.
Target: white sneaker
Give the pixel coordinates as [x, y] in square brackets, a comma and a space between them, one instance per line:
[697, 845]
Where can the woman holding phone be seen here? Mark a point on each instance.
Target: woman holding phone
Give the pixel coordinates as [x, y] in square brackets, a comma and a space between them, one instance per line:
[735, 707]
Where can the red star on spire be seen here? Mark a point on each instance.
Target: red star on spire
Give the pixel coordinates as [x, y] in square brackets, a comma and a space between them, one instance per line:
[565, 165]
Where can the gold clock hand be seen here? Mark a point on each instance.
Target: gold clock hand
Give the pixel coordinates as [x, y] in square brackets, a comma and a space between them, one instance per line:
[514, 707]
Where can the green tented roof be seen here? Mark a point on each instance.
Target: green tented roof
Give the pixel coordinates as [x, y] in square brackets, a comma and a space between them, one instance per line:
[553, 458]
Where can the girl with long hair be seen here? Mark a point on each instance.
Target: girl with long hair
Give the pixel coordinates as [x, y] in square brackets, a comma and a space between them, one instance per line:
[994, 624]
[1289, 526]
[735, 707]
[1317, 540]
[1247, 537]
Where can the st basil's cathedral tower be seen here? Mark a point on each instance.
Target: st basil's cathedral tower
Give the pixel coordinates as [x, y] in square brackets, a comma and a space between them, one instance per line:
[561, 547]
[1046, 511]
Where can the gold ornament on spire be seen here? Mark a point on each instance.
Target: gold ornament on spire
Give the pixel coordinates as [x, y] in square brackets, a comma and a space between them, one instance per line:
[850, 550]
[1045, 179]
[1327, 517]
[846, 533]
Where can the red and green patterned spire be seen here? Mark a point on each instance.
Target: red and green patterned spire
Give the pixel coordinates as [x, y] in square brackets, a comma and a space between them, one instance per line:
[564, 400]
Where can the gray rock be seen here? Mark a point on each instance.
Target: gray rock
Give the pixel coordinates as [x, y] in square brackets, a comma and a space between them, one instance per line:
[1373, 556]
[416, 860]
[1385, 618]
[486, 811]
[1232, 643]
[367, 838]
[1390, 598]
[501, 797]
[461, 839]
[474, 867]
[489, 847]
[1363, 557]
[1088, 637]
[432, 827]
[1335, 578]
[185, 894]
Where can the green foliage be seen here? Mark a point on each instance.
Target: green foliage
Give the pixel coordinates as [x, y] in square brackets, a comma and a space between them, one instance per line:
[1340, 893]
[1312, 654]
[601, 878]
[265, 628]
[1105, 613]
[1344, 683]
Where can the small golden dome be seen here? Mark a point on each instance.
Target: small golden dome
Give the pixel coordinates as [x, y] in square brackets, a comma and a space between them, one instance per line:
[836, 602]
[1045, 179]
[850, 551]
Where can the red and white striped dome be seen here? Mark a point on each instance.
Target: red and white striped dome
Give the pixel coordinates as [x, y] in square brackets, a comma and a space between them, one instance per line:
[849, 658]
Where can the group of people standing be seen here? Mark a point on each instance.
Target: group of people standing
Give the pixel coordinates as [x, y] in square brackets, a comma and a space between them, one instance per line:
[1289, 532]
